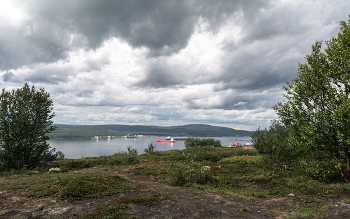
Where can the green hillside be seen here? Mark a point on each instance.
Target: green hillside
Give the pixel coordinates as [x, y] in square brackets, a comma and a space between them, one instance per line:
[67, 131]
[196, 130]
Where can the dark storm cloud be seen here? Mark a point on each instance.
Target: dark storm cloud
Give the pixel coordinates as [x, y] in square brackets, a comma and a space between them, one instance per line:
[56, 27]
[274, 38]
[17, 50]
[162, 26]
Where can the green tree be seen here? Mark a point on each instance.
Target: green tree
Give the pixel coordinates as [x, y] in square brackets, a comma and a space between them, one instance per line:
[277, 142]
[317, 105]
[206, 142]
[25, 118]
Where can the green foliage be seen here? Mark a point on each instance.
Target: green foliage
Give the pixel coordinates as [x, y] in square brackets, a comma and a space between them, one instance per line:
[206, 142]
[25, 119]
[150, 148]
[242, 152]
[184, 175]
[321, 170]
[131, 150]
[277, 142]
[317, 105]
[199, 154]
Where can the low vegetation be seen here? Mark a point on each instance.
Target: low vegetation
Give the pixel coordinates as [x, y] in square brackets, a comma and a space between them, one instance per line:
[71, 186]
[120, 209]
[237, 172]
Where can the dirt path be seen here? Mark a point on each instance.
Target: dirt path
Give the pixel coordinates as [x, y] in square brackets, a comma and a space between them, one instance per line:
[182, 202]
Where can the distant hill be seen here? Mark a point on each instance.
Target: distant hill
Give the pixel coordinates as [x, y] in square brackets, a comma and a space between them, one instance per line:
[68, 131]
[194, 130]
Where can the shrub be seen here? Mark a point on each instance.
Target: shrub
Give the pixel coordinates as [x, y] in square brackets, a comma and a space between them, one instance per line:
[131, 150]
[150, 149]
[185, 175]
[321, 170]
[206, 142]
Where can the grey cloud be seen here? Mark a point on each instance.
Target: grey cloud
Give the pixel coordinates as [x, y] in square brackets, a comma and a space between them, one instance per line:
[271, 23]
[8, 76]
[50, 75]
[57, 27]
[159, 75]
[35, 40]
[163, 26]
[259, 71]
[216, 13]
[235, 100]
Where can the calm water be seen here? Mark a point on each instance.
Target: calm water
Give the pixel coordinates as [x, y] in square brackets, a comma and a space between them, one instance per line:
[78, 148]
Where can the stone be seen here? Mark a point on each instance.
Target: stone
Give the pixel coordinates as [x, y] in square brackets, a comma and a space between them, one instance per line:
[54, 170]
[205, 168]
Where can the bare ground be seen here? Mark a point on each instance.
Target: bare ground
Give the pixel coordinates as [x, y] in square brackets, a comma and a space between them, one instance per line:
[182, 202]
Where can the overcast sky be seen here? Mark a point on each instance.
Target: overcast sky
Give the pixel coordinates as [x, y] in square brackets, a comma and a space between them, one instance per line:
[162, 62]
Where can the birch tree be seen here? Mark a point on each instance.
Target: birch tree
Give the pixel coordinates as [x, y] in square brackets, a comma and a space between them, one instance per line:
[317, 104]
[25, 118]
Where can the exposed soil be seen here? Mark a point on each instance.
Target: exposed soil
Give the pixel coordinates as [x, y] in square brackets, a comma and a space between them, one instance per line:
[182, 202]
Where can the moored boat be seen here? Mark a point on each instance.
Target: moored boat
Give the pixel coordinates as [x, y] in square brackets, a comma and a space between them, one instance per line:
[95, 138]
[130, 136]
[166, 141]
[176, 138]
[237, 144]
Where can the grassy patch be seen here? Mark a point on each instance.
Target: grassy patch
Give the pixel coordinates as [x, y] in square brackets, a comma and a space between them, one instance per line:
[85, 186]
[120, 209]
[70, 186]
[117, 159]
[346, 201]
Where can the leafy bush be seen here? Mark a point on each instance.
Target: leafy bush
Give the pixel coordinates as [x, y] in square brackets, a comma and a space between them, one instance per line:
[150, 149]
[277, 142]
[131, 150]
[185, 175]
[321, 170]
[206, 142]
[176, 177]
[242, 152]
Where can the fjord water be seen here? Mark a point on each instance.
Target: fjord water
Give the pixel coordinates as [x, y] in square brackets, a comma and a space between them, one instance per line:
[78, 148]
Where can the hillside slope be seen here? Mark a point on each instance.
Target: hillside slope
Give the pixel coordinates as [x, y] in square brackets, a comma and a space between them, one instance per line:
[196, 130]
[68, 131]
